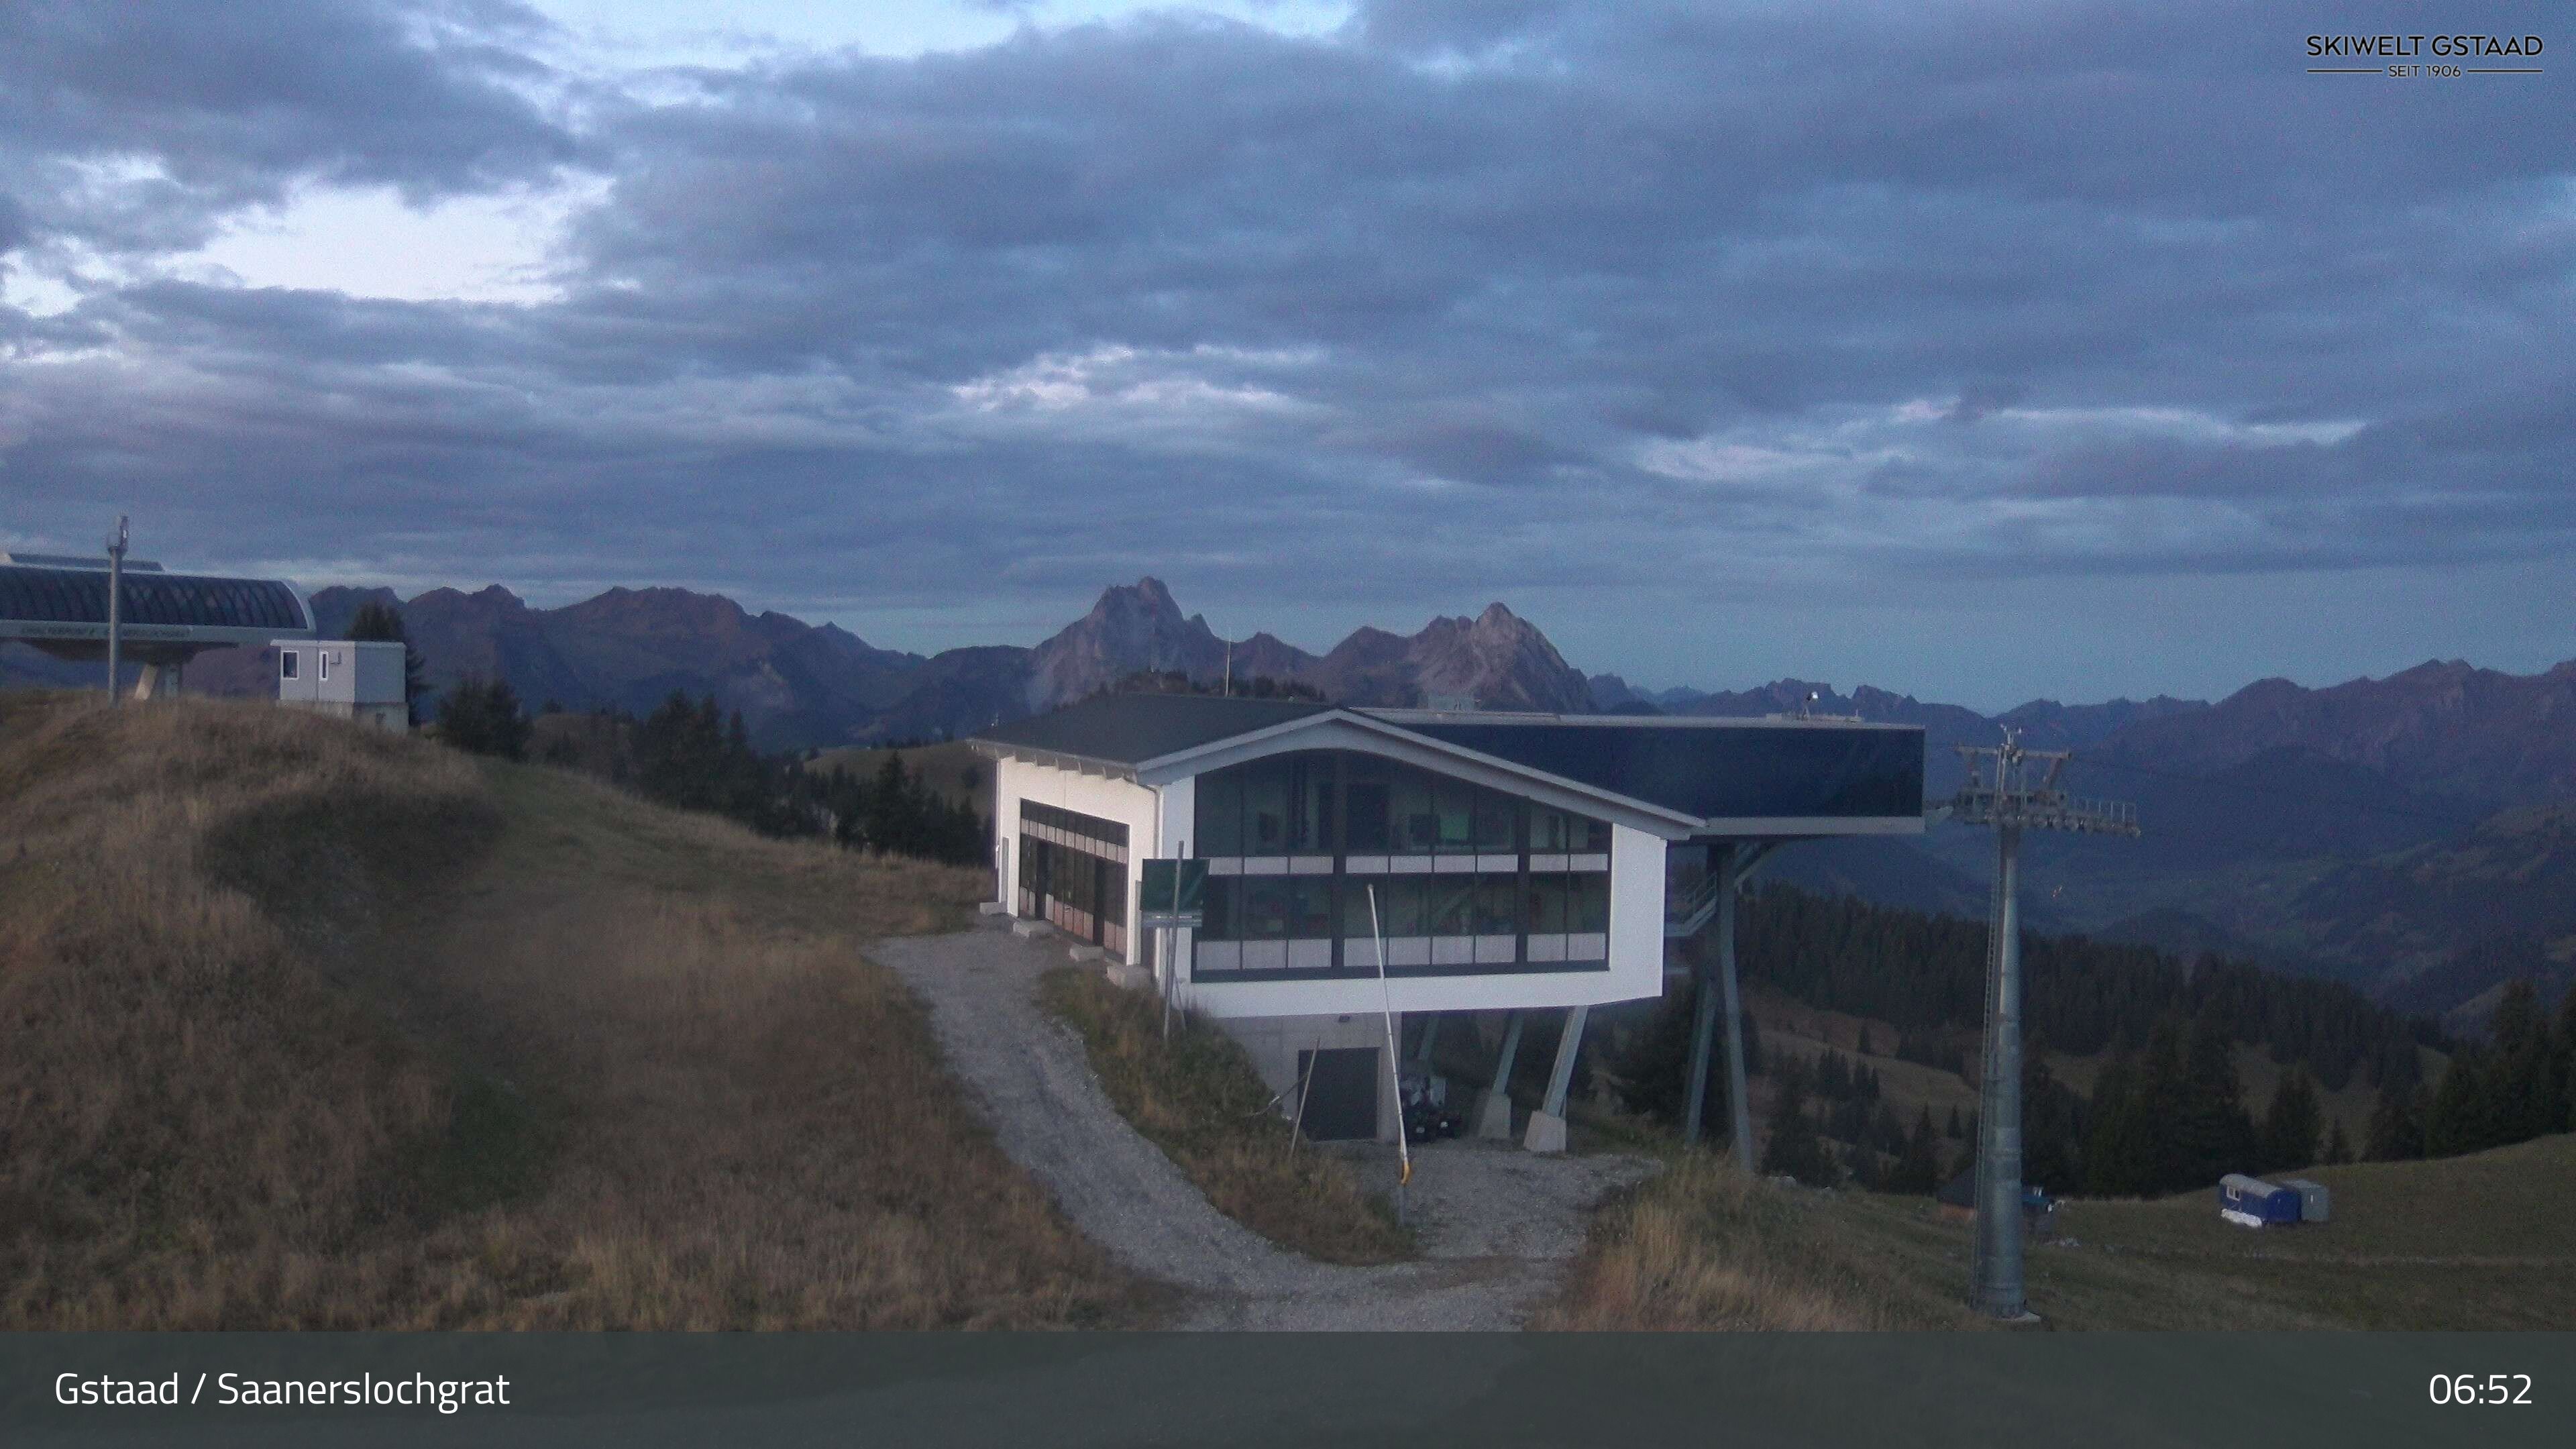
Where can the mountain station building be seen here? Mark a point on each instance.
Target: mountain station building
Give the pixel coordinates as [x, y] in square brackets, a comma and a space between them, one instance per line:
[1511, 862]
[59, 604]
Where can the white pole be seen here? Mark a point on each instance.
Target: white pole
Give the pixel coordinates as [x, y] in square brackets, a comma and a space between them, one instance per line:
[1386, 1004]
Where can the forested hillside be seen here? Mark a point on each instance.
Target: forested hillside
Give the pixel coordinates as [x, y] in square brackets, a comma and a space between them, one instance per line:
[2162, 1042]
[1926, 974]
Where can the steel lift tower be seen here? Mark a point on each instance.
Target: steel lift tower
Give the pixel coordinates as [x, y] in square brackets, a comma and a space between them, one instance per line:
[2002, 792]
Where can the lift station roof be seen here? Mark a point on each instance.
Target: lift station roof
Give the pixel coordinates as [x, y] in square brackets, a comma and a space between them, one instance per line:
[59, 604]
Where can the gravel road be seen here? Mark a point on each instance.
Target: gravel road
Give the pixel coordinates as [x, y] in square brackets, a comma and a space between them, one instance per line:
[1497, 1224]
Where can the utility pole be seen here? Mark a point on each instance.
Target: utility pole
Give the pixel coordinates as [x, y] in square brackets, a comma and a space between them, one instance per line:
[2000, 792]
[115, 607]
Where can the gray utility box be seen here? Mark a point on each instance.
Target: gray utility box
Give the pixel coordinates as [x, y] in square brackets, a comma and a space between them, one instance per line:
[346, 678]
[2314, 1200]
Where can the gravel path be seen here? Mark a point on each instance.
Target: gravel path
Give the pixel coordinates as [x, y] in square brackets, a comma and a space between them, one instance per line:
[1497, 1224]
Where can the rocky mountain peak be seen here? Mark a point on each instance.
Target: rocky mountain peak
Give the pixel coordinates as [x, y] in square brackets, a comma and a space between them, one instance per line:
[1132, 627]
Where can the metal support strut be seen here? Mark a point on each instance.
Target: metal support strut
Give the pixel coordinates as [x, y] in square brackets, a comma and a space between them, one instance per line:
[1547, 1132]
[1733, 863]
[1494, 1104]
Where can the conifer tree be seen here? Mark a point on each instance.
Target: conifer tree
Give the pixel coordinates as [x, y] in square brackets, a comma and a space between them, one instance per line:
[482, 716]
[2468, 1112]
[1918, 1166]
[377, 621]
[2566, 1052]
[1861, 1166]
[2215, 1135]
[1793, 1148]
[2526, 1087]
[2338, 1146]
[2289, 1135]
[2397, 1126]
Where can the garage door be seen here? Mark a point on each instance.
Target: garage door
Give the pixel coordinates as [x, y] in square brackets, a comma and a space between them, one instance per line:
[1341, 1093]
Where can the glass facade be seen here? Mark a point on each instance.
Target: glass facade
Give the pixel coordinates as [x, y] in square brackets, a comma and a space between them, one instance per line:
[1073, 873]
[1463, 878]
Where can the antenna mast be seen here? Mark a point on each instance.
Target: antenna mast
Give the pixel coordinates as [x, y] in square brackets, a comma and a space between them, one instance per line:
[115, 607]
[2001, 791]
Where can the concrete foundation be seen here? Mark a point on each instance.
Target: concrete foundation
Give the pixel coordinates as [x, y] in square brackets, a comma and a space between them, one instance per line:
[1491, 1116]
[1546, 1133]
[1273, 1043]
[991, 908]
[1134, 978]
[1031, 929]
[1086, 952]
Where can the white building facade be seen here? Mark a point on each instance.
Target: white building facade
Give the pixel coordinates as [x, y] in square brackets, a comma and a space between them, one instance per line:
[350, 679]
[1507, 863]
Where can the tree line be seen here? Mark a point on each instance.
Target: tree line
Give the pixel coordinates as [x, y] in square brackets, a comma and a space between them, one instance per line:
[1926, 975]
[693, 755]
[1177, 681]
[2518, 1084]
[2169, 1110]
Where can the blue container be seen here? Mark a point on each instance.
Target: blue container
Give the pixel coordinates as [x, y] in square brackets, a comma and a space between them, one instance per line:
[2265, 1202]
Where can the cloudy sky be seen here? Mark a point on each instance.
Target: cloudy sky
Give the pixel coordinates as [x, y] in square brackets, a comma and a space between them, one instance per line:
[1984, 352]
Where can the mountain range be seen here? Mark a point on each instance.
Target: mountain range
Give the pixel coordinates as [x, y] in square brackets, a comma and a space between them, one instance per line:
[2380, 830]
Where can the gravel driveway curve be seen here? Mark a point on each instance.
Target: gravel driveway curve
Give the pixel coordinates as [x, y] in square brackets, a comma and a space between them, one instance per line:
[1497, 1224]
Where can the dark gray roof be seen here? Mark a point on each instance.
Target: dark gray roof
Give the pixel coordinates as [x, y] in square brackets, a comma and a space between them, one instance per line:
[1741, 770]
[1700, 768]
[1129, 729]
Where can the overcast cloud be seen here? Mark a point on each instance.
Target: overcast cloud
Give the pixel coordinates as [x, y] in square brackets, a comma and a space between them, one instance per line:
[1982, 351]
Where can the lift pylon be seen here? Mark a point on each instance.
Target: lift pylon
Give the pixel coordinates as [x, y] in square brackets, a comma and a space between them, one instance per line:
[2012, 789]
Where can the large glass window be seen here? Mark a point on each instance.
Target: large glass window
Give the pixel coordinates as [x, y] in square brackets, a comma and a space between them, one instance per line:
[1456, 802]
[1310, 831]
[1265, 908]
[1310, 907]
[1372, 813]
[1368, 795]
[1399, 906]
[1588, 902]
[1452, 910]
[1543, 904]
[1220, 812]
[1220, 909]
[1558, 830]
[1417, 826]
[1265, 806]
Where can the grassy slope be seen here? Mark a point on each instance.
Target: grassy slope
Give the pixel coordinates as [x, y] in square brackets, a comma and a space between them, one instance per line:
[2470, 1243]
[343, 1030]
[1199, 1099]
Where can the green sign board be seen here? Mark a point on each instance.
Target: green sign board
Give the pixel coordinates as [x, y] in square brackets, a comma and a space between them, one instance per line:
[1173, 892]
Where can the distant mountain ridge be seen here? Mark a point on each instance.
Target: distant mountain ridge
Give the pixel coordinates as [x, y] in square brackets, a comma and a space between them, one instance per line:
[794, 682]
[802, 685]
[2346, 827]
[2444, 727]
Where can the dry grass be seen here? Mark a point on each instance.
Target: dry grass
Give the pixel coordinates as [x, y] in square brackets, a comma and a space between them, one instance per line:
[2474, 1243]
[1705, 1246]
[303, 1026]
[1198, 1098]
